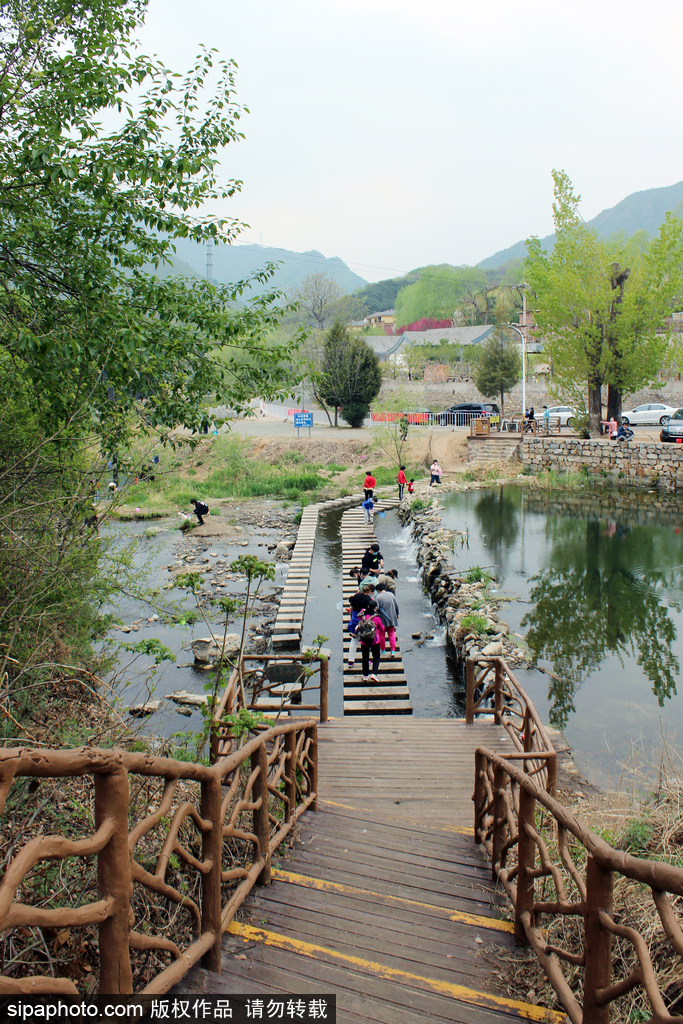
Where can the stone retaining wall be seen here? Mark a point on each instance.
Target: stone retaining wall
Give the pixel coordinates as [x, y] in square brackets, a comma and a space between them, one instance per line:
[651, 464]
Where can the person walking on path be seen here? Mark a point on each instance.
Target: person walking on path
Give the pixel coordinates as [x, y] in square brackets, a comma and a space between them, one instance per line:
[368, 506]
[200, 509]
[435, 470]
[388, 610]
[362, 605]
[369, 484]
[401, 482]
[411, 486]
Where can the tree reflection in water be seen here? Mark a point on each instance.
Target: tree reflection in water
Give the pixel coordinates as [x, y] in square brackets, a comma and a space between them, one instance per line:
[498, 515]
[600, 596]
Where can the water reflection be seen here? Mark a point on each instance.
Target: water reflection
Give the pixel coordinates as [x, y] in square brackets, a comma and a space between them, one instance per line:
[602, 594]
[595, 581]
[498, 516]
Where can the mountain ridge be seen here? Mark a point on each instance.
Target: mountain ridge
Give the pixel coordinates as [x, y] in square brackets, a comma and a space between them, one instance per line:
[638, 211]
[233, 263]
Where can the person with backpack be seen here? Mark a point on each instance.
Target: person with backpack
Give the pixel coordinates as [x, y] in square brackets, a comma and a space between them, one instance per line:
[363, 609]
[200, 509]
[367, 634]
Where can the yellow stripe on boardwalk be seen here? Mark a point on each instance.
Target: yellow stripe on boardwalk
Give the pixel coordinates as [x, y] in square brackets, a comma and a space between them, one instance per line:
[486, 1000]
[325, 885]
[436, 828]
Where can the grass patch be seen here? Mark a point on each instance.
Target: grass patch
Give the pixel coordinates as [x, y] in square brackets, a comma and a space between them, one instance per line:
[477, 574]
[385, 475]
[551, 480]
[232, 475]
[474, 624]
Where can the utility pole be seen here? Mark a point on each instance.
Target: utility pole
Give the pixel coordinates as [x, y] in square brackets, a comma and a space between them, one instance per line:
[209, 261]
[524, 347]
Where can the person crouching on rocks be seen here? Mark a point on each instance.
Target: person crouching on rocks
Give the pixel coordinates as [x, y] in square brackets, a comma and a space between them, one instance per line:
[200, 509]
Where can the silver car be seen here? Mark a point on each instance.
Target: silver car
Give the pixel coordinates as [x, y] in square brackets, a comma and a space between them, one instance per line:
[565, 414]
[648, 415]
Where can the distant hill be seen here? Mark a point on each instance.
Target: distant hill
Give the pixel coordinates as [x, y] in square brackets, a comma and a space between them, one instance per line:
[640, 211]
[382, 294]
[236, 262]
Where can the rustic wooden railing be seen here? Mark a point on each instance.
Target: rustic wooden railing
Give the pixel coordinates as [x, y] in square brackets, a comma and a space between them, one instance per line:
[184, 867]
[309, 676]
[558, 874]
[575, 869]
[494, 690]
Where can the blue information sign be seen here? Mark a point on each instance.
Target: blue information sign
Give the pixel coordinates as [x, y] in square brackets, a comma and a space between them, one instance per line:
[303, 419]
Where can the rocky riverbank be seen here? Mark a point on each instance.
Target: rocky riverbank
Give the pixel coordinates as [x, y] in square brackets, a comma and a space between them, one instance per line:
[464, 602]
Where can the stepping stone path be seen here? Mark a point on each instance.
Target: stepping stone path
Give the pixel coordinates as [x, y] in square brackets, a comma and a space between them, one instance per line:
[390, 696]
[290, 618]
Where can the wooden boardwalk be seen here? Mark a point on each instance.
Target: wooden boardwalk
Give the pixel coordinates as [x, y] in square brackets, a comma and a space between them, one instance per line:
[384, 900]
[290, 617]
[391, 695]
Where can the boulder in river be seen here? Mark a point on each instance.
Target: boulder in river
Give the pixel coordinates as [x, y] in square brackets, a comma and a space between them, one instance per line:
[184, 697]
[148, 708]
[208, 650]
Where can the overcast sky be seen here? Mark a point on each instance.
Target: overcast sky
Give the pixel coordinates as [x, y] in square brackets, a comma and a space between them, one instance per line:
[396, 133]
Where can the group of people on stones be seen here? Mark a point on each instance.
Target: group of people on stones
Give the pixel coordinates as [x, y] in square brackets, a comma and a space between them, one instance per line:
[374, 613]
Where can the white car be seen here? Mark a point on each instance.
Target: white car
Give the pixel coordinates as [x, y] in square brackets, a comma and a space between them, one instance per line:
[564, 413]
[650, 415]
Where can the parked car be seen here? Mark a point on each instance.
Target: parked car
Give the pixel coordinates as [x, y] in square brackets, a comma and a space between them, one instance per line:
[672, 429]
[650, 415]
[460, 415]
[565, 413]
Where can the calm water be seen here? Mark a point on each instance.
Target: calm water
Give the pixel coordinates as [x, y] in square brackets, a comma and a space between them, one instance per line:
[595, 583]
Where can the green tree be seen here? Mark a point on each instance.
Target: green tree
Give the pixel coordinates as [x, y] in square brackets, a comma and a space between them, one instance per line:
[95, 341]
[599, 302]
[87, 216]
[351, 375]
[498, 367]
[436, 293]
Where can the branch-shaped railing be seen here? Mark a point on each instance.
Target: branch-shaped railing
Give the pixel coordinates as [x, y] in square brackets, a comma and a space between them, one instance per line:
[494, 690]
[273, 684]
[198, 852]
[557, 871]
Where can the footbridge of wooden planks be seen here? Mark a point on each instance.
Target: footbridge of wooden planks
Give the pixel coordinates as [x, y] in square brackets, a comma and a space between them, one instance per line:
[389, 696]
[384, 900]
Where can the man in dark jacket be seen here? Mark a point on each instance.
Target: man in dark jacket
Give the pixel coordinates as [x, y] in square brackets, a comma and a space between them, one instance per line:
[372, 559]
[200, 509]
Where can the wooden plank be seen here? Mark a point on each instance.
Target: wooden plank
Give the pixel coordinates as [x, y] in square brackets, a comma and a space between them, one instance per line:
[377, 707]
